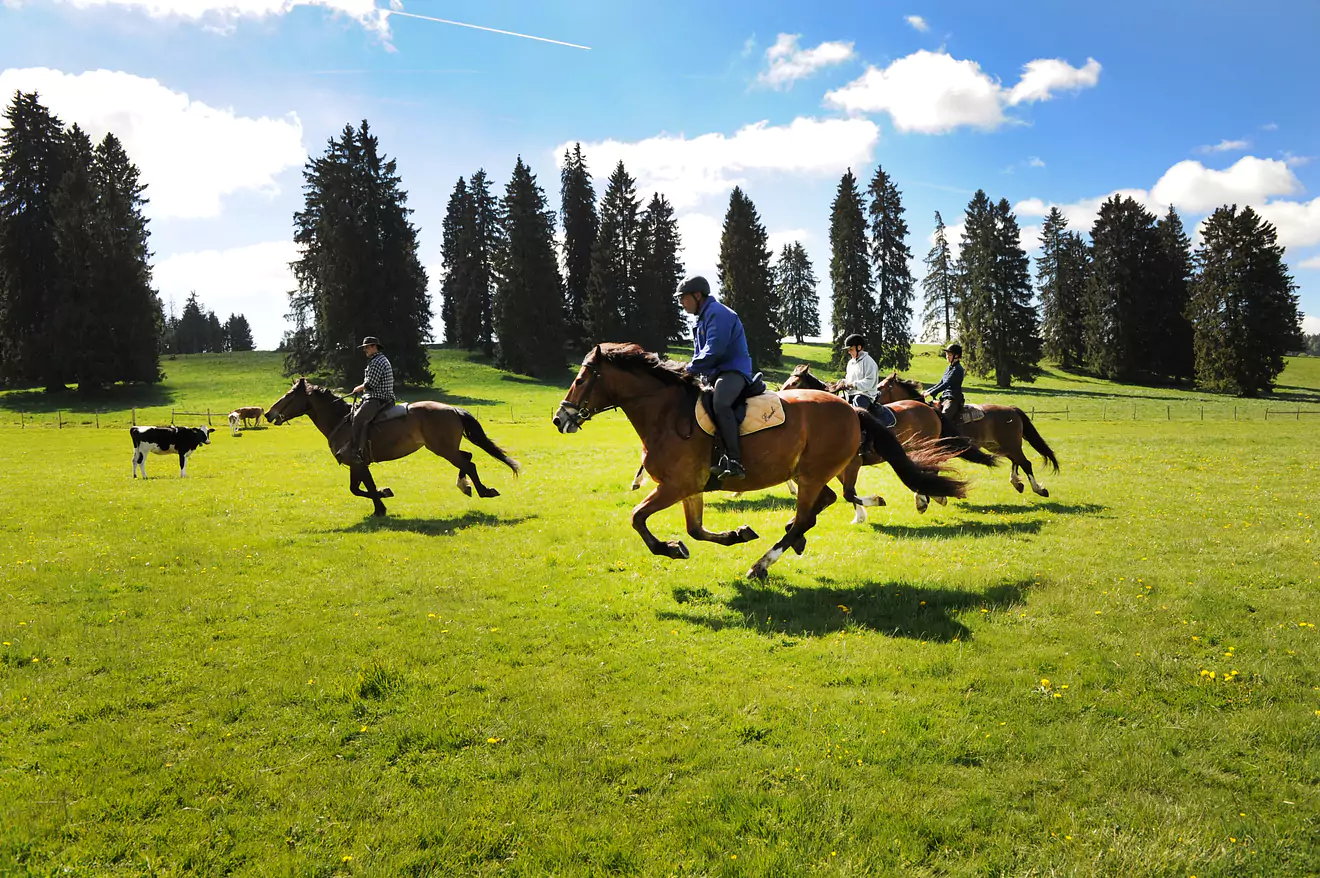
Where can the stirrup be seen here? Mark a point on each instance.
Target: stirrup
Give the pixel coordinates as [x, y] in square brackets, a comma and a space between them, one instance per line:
[729, 468]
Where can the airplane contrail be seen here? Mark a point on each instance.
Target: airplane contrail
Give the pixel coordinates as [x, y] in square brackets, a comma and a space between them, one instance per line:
[493, 30]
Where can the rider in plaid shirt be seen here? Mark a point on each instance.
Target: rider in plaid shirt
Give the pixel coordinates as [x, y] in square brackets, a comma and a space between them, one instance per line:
[377, 392]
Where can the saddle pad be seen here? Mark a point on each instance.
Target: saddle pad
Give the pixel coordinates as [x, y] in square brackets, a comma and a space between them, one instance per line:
[884, 415]
[763, 412]
[972, 413]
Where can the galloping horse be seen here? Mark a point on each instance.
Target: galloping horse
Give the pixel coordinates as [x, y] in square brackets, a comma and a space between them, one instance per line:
[435, 425]
[1000, 432]
[915, 424]
[818, 439]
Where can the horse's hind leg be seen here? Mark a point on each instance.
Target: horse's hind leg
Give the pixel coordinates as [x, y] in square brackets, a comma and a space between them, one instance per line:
[848, 479]
[693, 508]
[812, 498]
[1036, 486]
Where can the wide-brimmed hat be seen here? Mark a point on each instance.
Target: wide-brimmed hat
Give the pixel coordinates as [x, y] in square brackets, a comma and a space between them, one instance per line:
[369, 340]
[955, 349]
[695, 284]
[855, 340]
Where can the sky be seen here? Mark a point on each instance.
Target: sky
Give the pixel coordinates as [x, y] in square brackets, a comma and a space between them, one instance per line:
[220, 103]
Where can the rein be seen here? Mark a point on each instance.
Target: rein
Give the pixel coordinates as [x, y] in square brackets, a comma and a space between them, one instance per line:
[583, 413]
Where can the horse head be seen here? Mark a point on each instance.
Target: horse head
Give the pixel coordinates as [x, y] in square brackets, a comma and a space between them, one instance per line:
[585, 397]
[297, 402]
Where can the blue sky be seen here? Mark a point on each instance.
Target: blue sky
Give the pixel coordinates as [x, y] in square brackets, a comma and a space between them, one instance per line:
[220, 102]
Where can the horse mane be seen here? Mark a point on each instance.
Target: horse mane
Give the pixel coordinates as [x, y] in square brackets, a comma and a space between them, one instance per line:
[632, 358]
[910, 383]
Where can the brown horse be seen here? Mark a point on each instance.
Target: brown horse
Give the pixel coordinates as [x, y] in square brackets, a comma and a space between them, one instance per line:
[1000, 432]
[818, 439]
[435, 425]
[915, 424]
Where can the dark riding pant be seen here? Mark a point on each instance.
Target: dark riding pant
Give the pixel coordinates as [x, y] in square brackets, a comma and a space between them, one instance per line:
[861, 400]
[952, 409]
[362, 418]
[728, 385]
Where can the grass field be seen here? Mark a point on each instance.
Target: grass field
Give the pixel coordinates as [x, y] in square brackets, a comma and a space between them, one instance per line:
[242, 672]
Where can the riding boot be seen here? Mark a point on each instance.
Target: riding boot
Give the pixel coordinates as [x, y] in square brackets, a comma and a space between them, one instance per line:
[730, 465]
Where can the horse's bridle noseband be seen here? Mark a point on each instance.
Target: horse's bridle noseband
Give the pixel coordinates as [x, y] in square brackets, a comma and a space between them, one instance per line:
[580, 414]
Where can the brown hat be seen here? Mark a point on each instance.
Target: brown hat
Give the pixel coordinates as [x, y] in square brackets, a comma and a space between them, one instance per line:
[369, 340]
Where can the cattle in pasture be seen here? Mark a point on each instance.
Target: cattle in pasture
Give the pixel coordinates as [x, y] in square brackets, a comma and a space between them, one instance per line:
[240, 416]
[167, 440]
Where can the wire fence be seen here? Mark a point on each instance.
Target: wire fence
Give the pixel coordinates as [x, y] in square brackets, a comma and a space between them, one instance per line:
[1070, 410]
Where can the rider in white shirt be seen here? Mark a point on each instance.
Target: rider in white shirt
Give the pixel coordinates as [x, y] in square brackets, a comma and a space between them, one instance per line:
[861, 381]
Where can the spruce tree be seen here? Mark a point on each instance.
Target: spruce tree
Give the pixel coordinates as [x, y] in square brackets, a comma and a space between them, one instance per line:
[192, 326]
[1061, 281]
[940, 286]
[216, 340]
[529, 301]
[239, 333]
[460, 308]
[581, 224]
[852, 303]
[1121, 285]
[79, 350]
[976, 280]
[488, 253]
[744, 275]
[611, 286]
[359, 273]
[1171, 344]
[889, 335]
[33, 160]
[795, 292]
[1243, 304]
[659, 272]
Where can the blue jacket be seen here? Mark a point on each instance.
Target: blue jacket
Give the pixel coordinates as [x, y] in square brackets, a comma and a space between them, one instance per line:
[951, 384]
[719, 343]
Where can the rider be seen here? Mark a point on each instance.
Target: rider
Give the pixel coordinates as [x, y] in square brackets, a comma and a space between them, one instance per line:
[719, 355]
[862, 379]
[377, 392]
[950, 389]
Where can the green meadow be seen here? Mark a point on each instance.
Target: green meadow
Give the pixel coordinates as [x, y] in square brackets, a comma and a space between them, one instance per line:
[242, 672]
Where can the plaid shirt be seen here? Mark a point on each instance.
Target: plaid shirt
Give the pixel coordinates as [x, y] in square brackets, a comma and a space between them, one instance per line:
[379, 382]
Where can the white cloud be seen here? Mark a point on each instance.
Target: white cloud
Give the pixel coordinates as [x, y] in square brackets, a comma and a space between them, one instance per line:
[1296, 161]
[252, 281]
[1313, 262]
[191, 155]
[788, 63]
[1311, 325]
[1045, 76]
[224, 13]
[953, 233]
[917, 22]
[1298, 223]
[700, 234]
[933, 92]
[777, 240]
[1191, 186]
[1225, 146]
[688, 170]
[1035, 162]
[1079, 214]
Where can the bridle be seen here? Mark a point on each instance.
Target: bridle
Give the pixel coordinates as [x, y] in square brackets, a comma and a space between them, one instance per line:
[578, 415]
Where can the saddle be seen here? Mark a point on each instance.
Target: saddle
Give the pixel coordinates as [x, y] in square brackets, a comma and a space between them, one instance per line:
[398, 410]
[972, 413]
[755, 409]
[883, 414]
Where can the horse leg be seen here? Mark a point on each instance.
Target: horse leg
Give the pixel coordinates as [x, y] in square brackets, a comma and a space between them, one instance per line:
[1013, 475]
[641, 474]
[469, 471]
[693, 508]
[1036, 486]
[848, 479]
[660, 498]
[812, 498]
[923, 502]
[359, 473]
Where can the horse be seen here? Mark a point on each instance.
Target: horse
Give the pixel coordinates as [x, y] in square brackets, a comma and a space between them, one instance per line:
[818, 439]
[915, 424]
[241, 415]
[437, 426]
[1000, 432]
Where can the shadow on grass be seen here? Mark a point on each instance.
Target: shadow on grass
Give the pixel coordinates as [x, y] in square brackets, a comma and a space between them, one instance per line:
[434, 527]
[758, 502]
[439, 394]
[896, 609]
[1293, 393]
[947, 530]
[1053, 506]
[123, 396]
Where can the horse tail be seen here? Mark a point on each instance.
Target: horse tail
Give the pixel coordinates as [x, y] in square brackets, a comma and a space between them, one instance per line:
[963, 447]
[477, 436]
[1037, 441]
[919, 470]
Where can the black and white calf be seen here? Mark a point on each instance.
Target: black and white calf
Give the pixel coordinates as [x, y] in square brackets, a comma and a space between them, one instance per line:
[167, 440]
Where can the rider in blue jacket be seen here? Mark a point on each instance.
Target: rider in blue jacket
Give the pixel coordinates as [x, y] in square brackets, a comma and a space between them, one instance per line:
[719, 355]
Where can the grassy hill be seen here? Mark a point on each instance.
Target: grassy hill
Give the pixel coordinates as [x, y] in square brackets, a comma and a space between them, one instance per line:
[243, 672]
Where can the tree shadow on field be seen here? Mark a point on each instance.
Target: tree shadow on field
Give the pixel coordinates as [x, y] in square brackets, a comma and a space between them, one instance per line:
[896, 609]
[1293, 393]
[432, 527]
[758, 502]
[120, 396]
[439, 394]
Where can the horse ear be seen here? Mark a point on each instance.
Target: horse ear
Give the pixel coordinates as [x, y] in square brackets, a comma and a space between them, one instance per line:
[302, 384]
[596, 353]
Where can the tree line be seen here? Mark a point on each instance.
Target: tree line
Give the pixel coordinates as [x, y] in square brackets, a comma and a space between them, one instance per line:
[201, 332]
[76, 302]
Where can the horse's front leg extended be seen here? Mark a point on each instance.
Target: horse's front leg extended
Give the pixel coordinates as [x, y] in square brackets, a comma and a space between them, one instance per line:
[660, 498]
[813, 497]
[357, 475]
[693, 508]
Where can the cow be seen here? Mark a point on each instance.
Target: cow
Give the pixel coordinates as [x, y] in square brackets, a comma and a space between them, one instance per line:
[240, 416]
[165, 440]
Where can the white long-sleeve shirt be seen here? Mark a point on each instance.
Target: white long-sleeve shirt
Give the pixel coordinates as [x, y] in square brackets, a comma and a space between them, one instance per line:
[863, 375]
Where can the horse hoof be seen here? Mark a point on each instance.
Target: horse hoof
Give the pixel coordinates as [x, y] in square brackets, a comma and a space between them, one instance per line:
[1019, 487]
[1044, 492]
[943, 501]
[746, 534]
[386, 492]
[678, 550]
[489, 492]
[466, 489]
[800, 545]
[758, 573]
[379, 513]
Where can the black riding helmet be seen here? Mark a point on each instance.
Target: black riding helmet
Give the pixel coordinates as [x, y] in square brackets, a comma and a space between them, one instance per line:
[955, 349]
[695, 284]
[855, 340]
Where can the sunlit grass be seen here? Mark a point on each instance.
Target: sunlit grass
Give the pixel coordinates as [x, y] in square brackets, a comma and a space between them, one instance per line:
[241, 671]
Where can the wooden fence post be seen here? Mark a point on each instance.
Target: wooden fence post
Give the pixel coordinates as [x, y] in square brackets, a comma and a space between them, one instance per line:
[1134, 411]
[134, 416]
[1033, 413]
[1066, 409]
[21, 425]
[60, 417]
[1104, 410]
[171, 417]
[1168, 413]
[98, 419]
